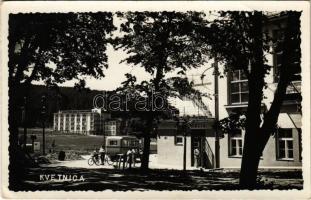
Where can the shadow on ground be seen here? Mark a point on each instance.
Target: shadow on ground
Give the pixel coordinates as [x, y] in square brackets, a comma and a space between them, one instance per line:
[156, 179]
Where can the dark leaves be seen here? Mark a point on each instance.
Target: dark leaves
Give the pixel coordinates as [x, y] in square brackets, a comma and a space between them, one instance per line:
[235, 121]
[60, 46]
[162, 39]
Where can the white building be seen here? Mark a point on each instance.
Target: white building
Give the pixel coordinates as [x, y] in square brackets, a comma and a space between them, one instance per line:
[87, 122]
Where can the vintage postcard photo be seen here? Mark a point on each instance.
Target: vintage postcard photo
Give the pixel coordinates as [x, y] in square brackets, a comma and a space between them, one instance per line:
[176, 99]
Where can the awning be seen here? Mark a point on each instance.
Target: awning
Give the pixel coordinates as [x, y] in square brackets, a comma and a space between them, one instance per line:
[287, 120]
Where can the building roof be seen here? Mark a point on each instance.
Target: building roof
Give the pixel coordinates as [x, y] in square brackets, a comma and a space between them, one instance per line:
[75, 111]
[190, 106]
[121, 137]
[197, 123]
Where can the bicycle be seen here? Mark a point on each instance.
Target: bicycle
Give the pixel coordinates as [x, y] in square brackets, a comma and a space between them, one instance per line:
[93, 160]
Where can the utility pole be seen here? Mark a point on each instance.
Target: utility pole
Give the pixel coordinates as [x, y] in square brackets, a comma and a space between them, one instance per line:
[185, 149]
[186, 125]
[217, 148]
[181, 125]
[33, 138]
[103, 129]
[43, 112]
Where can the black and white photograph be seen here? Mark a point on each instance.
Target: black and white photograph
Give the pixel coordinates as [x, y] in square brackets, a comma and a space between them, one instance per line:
[174, 98]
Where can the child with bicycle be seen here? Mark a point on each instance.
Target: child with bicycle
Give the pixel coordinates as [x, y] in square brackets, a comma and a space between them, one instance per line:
[95, 154]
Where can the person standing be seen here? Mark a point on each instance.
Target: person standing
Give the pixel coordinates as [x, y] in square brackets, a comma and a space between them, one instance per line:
[102, 153]
[129, 159]
[196, 154]
[134, 157]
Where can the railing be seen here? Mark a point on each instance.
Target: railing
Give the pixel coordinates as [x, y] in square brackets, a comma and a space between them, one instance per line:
[197, 100]
[294, 87]
[209, 153]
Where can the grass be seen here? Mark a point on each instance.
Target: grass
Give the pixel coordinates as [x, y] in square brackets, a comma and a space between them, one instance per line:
[66, 142]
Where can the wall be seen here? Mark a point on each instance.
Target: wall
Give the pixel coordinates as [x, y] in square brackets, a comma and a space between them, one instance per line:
[169, 153]
[269, 158]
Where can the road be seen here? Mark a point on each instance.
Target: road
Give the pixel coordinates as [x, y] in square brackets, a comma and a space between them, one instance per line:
[83, 164]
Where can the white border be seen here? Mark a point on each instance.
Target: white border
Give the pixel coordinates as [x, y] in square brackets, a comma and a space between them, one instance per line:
[62, 6]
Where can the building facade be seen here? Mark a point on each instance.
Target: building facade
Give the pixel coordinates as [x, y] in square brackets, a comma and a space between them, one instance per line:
[86, 122]
[170, 143]
[283, 148]
[112, 127]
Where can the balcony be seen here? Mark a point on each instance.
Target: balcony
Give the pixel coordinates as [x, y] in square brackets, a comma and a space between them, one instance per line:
[292, 101]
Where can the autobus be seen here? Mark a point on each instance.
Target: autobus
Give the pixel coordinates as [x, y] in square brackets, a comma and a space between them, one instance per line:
[121, 144]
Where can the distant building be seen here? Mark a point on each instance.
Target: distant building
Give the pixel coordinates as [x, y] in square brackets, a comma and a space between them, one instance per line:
[112, 127]
[86, 122]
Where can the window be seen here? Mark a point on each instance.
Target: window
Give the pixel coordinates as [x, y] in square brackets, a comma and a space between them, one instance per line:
[238, 88]
[125, 143]
[285, 144]
[236, 144]
[110, 129]
[279, 36]
[113, 143]
[179, 140]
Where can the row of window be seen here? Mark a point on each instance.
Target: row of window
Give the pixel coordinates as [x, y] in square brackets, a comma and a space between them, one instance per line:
[284, 144]
[125, 143]
[110, 129]
[238, 88]
[238, 85]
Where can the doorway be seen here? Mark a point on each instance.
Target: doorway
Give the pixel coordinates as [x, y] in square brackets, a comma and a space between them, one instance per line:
[196, 143]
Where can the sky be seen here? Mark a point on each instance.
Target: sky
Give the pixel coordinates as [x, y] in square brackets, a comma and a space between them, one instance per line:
[115, 74]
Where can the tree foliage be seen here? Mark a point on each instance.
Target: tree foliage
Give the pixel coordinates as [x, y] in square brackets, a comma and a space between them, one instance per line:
[56, 47]
[241, 42]
[52, 48]
[162, 43]
[167, 40]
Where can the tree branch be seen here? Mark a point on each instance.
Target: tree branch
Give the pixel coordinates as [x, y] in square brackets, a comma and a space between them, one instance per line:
[286, 72]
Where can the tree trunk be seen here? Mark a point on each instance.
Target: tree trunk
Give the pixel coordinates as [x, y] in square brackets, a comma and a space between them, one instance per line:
[15, 170]
[251, 153]
[145, 158]
[147, 133]
[17, 165]
[256, 138]
[250, 163]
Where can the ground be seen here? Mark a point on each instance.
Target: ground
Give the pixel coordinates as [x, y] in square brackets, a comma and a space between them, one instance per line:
[99, 178]
[159, 177]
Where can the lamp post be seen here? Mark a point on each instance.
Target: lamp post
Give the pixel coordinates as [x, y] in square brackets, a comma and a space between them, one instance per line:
[33, 138]
[104, 131]
[185, 151]
[183, 125]
[24, 121]
[43, 113]
[217, 147]
[216, 100]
